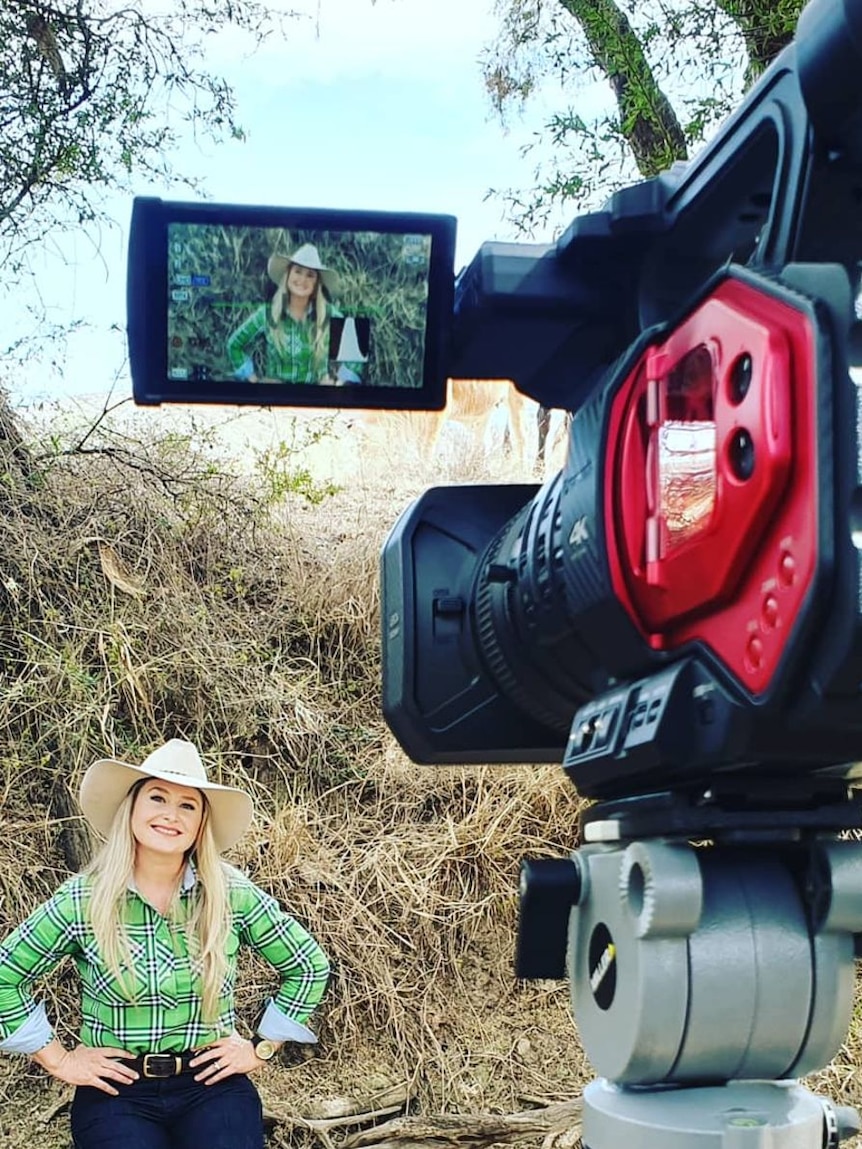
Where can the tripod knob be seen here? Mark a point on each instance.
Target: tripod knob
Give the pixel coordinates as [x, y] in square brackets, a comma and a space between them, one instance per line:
[840, 1123]
[548, 889]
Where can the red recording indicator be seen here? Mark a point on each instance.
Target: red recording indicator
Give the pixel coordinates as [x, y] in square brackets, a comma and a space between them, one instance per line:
[712, 508]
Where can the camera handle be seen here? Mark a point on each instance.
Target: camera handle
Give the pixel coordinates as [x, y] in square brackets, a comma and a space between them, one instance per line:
[705, 979]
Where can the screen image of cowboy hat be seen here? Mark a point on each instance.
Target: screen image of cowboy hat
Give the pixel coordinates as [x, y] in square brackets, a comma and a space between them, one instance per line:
[296, 305]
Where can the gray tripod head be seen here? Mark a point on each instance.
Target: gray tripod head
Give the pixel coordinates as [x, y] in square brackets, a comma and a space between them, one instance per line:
[707, 975]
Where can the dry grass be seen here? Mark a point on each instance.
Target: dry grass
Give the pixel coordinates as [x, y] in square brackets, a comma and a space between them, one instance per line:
[153, 592]
[156, 592]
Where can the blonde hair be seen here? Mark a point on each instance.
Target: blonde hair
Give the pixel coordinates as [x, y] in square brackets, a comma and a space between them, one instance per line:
[320, 342]
[207, 926]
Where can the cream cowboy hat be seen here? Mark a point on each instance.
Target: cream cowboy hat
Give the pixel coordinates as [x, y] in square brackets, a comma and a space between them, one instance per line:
[107, 782]
[306, 256]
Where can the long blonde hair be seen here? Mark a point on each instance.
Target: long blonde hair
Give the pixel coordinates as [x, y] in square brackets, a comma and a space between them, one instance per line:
[206, 927]
[320, 342]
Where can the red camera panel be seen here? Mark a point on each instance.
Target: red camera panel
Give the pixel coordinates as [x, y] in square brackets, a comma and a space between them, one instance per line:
[711, 497]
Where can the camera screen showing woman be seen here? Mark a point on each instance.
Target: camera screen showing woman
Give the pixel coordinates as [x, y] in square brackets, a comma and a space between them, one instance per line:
[295, 330]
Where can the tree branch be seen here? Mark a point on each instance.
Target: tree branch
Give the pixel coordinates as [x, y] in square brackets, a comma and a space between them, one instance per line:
[647, 118]
[766, 26]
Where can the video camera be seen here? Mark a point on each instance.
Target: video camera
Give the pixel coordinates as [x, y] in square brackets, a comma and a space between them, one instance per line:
[676, 615]
[679, 609]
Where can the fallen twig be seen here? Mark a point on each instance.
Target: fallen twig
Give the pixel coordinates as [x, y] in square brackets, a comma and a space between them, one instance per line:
[447, 1129]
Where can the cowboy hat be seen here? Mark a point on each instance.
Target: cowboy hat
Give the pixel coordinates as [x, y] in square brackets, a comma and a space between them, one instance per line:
[306, 256]
[107, 782]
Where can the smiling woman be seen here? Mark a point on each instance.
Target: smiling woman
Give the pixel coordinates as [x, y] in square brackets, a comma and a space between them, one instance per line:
[295, 325]
[166, 819]
[154, 928]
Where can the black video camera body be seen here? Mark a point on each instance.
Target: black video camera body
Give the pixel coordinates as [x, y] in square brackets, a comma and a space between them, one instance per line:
[680, 608]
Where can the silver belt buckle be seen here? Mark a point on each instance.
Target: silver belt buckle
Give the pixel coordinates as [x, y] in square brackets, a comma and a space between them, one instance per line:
[152, 1076]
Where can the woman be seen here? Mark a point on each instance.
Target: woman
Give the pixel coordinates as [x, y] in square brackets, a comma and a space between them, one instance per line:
[295, 325]
[153, 926]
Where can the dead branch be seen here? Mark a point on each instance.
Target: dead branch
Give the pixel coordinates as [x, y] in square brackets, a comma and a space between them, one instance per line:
[357, 1110]
[558, 1127]
[448, 1129]
[275, 1116]
[339, 1112]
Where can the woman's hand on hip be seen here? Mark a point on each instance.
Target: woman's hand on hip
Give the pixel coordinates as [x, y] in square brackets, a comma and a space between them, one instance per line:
[84, 1065]
[224, 1058]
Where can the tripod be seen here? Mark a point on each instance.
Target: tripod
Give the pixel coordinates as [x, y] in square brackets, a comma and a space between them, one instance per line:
[705, 978]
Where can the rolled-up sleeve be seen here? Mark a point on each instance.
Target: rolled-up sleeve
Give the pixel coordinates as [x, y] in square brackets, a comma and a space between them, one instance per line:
[291, 950]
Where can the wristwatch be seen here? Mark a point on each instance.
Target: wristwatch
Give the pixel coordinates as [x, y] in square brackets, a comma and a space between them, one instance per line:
[264, 1048]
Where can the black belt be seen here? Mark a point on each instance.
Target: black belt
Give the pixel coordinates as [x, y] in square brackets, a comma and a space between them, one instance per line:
[158, 1065]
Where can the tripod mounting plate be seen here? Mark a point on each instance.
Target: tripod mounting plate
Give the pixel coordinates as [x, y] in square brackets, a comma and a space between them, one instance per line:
[724, 812]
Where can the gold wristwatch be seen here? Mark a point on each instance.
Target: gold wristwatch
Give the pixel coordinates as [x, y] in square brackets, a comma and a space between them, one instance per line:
[264, 1048]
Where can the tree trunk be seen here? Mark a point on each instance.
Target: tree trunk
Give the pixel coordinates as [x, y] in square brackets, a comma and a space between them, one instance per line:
[647, 119]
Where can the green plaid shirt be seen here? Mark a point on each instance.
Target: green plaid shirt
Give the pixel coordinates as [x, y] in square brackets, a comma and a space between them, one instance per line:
[294, 361]
[164, 1014]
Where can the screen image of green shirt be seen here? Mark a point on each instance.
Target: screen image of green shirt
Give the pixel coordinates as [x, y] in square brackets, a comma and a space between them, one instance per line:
[293, 358]
[163, 1013]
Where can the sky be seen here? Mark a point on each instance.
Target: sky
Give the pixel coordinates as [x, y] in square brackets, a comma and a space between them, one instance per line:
[360, 105]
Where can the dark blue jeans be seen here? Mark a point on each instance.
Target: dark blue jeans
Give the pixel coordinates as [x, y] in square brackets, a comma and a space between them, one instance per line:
[172, 1113]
